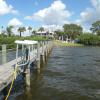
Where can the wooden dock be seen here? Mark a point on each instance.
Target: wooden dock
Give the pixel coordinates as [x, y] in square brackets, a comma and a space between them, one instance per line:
[7, 69]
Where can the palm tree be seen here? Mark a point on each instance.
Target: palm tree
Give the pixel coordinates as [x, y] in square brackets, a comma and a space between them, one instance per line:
[30, 29]
[9, 30]
[1, 30]
[41, 29]
[21, 29]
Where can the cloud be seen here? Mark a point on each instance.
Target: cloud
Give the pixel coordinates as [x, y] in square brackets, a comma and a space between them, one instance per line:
[56, 14]
[15, 22]
[96, 4]
[5, 8]
[92, 14]
[52, 27]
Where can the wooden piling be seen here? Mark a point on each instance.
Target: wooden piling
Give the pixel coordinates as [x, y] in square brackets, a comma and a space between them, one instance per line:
[38, 57]
[51, 45]
[27, 69]
[4, 55]
[45, 51]
[42, 54]
[27, 77]
[48, 47]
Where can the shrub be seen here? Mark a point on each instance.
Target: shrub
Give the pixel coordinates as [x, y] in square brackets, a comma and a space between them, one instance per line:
[10, 40]
[89, 39]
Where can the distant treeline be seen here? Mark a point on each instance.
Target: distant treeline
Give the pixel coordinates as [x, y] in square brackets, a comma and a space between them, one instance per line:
[74, 32]
[70, 32]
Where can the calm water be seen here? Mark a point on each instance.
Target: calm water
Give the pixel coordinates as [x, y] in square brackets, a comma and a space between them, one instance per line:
[70, 74]
[11, 55]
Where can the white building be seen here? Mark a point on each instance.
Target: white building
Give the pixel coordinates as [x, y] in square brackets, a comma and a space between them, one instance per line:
[45, 33]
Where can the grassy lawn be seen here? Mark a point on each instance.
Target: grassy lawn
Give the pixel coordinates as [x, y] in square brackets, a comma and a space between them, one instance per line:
[61, 43]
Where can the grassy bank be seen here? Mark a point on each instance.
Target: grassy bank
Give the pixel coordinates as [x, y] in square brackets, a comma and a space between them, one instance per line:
[60, 43]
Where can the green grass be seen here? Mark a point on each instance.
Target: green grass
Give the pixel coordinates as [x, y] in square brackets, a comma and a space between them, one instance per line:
[60, 43]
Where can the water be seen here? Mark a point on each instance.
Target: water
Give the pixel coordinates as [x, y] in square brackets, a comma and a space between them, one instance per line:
[71, 73]
[11, 55]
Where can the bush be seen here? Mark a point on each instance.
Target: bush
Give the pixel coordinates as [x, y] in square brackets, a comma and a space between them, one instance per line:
[89, 39]
[10, 40]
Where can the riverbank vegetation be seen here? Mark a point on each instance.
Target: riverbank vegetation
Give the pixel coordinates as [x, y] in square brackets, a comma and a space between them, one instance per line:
[9, 41]
[89, 39]
[70, 33]
[68, 44]
[74, 33]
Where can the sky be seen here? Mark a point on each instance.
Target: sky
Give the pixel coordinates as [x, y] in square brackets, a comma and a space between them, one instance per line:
[50, 14]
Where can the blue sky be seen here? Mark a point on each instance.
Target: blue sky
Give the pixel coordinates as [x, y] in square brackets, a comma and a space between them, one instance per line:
[48, 13]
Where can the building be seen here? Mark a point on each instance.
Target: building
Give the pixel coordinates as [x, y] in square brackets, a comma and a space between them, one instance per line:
[45, 34]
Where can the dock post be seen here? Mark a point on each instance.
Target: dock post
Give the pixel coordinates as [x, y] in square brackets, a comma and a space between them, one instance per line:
[38, 56]
[27, 69]
[4, 56]
[48, 47]
[27, 77]
[42, 55]
[46, 53]
[51, 45]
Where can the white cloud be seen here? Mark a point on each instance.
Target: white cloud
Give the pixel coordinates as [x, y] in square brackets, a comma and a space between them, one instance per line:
[56, 14]
[5, 8]
[52, 27]
[96, 4]
[92, 14]
[15, 22]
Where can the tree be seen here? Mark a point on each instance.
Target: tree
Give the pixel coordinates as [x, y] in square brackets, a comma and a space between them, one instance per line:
[41, 29]
[9, 30]
[33, 32]
[72, 30]
[1, 29]
[2, 32]
[60, 34]
[30, 29]
[21, 29]
[96, 27]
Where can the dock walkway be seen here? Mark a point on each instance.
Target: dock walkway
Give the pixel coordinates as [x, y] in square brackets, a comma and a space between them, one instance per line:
[7, 69]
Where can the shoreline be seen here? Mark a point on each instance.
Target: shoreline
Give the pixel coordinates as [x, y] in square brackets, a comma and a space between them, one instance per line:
[65, 44]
